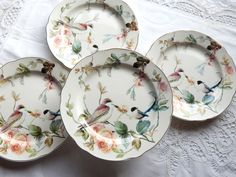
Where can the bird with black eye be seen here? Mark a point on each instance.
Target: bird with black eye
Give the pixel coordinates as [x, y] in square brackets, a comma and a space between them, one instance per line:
[207, 89]
[138, 114]
[51, 115]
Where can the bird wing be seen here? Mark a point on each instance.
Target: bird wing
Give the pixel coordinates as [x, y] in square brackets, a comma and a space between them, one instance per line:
[58, 113]
[2, 120]
[98, 113]
[151, 107]
[14, 116]
[174, 77]
[216, 85]
[7, 126]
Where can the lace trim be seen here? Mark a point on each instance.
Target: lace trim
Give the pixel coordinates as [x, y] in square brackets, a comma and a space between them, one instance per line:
[212, 143]
[222, 11]
[9, 11]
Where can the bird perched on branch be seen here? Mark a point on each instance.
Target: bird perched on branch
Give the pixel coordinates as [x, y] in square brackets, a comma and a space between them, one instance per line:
[14, 120]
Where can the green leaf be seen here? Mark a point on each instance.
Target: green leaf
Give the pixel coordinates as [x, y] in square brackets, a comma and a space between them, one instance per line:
[35, 131]
[208, 99]
[67, 19]
[163, 102]
[76, 47]
[163, 108]
[33, 154]
[136, 143]
[114, 56]
[120, 156]
[126, 141]
[82, 133]
[188, 97]
[192, 39]
[121, 128]
[1, 141]
[62, 9]
[118, 151]
[69, 113]
[48, 142]
[142, 126]
[55, 125]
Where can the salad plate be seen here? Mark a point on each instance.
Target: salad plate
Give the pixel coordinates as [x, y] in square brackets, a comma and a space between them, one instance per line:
[200, 71]
[116, 104]
[77, 29]
[30, 123]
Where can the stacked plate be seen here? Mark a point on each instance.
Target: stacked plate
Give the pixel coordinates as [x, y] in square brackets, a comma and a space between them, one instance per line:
[115, 103]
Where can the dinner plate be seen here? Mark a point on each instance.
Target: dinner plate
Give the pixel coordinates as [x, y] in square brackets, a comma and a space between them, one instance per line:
[201, 73]
[77, 29]
[30, 122]
[116, 104]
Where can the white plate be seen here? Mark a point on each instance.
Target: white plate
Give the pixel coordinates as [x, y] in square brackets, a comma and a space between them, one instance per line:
[30, 121]
[77, 29]
[201, 73]
[116, 104]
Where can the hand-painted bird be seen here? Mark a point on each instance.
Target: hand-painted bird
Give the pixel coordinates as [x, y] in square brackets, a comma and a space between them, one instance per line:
[101, 111]
[83, 26]
[78, 26]
[51, 115]
[175, 76]
[140, 114]
[13, 120]
[206, 89]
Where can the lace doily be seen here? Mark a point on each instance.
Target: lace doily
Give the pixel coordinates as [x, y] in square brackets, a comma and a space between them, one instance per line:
[212, 143]
[223, 11]
[9, 10]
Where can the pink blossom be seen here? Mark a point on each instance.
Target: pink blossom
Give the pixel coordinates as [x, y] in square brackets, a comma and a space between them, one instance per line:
[229, 69]
[163, 86]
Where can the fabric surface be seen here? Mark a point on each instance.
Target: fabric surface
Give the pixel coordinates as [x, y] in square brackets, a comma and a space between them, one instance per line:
[188, 149]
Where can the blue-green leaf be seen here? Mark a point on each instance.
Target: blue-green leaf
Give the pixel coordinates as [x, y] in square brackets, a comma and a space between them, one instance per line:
[35, 131]
[163, 108]
[114, 56]
[188, 97]
[121, 128]
[76, 47]
[208, 99]
[55, 125]
[142, 126]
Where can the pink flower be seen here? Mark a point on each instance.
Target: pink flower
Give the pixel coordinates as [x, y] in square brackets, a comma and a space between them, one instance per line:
[49, 85]
[98, 127]
[8, 136]
[229, 69]
[163, 86]
[107, 142]
[212, 58]
[19, 143]
[60, 41]
[66, 31]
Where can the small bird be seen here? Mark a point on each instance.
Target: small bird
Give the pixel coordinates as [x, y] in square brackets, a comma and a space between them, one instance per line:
[176, 75]
[140, 114]
[13, 120]
[206, 88]
[101, 111]
[52, 115]
[83, 26]
[79, 26]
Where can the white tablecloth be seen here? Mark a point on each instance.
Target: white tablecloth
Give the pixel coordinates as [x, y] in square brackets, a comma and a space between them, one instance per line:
[189, 149]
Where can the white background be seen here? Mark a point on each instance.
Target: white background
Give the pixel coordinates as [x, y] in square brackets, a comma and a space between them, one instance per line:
[189, 149]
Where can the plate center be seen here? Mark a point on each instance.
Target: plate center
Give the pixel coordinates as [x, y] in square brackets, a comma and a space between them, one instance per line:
[126, 92]
[194, 74]
[29, 96]
[103, 26]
